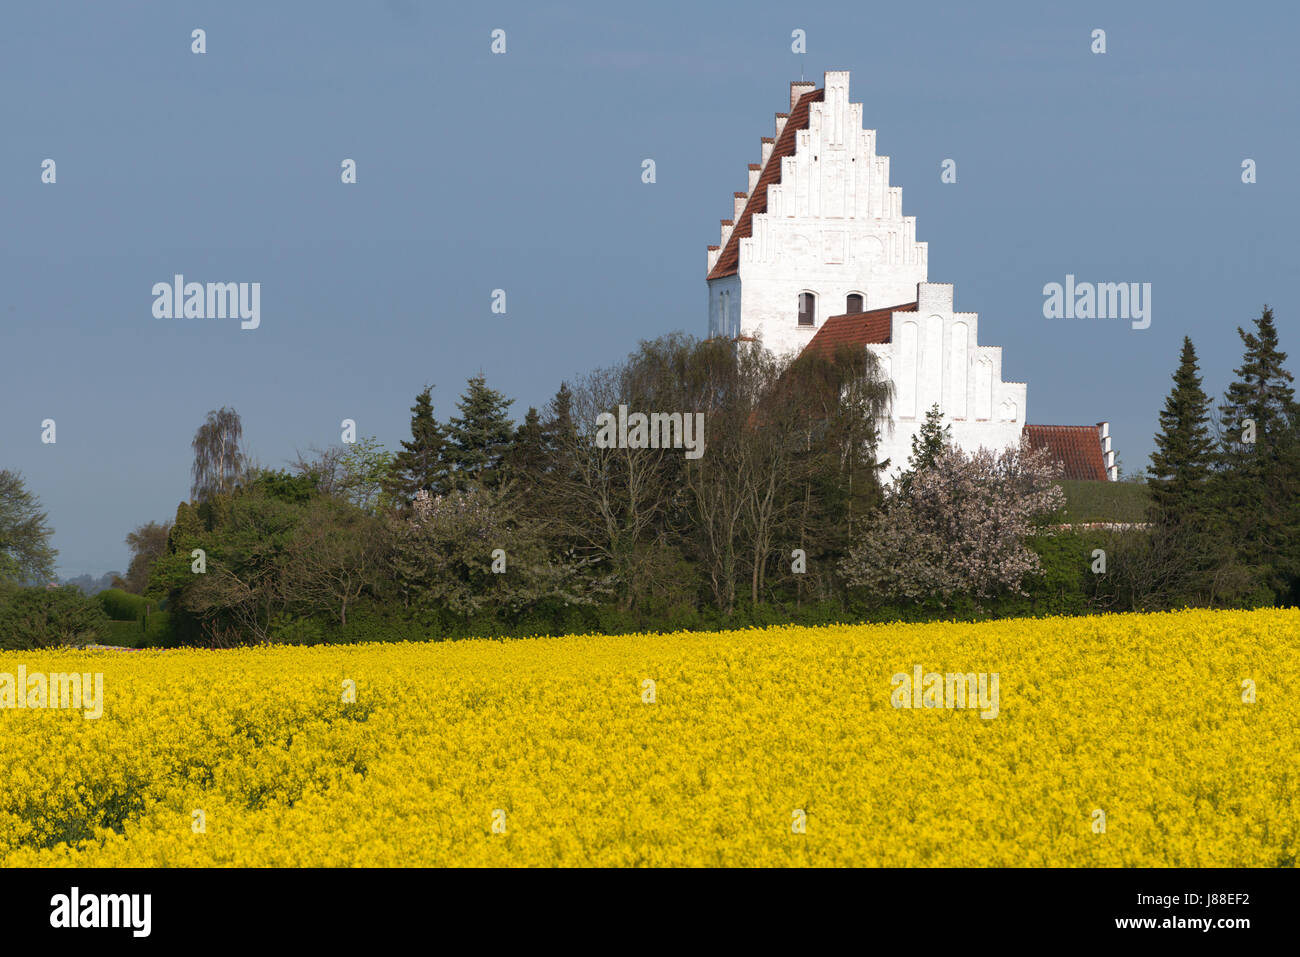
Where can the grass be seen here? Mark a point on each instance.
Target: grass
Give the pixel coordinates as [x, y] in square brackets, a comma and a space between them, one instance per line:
[1090, 501]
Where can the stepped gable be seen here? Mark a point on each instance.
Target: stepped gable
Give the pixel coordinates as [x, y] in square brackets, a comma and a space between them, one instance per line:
[729, 261]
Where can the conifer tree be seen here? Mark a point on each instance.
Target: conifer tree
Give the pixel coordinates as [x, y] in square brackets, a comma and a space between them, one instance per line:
[559, 420]
[481, 436]
[1184, 457]
[422, 464]
[560, 444]
[1258, 487]
[187, 528]
[529, 455]
[927, 445]
[1262, 397]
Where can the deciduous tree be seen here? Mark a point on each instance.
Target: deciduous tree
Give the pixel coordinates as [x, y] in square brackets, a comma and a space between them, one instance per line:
[959, 528]
[25, 551]
[147, 543]
[220, 461]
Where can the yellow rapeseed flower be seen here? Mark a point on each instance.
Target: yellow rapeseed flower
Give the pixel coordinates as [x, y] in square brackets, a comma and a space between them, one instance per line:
[1120, 740]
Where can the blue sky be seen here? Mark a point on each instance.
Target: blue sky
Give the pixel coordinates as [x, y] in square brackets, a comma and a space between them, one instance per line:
[522, 171]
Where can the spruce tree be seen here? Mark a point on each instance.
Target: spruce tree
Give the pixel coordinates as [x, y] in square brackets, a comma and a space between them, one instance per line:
[529, 455]
[927, 445]
[1258, 488]
[1184, 457]
[422, 463]
[560, 430]
[1262, 396]
[556, 480]
[481, 436]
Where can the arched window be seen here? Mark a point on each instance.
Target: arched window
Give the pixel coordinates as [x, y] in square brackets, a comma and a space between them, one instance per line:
[855, 302]
[807, 309]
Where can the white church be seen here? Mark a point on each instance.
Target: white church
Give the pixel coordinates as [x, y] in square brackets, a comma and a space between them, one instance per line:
[818, 254]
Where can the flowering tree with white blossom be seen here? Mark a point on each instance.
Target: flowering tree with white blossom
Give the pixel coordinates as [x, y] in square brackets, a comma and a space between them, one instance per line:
[958, 527]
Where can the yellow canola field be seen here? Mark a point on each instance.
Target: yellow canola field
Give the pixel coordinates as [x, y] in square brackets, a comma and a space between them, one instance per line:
[545, 751]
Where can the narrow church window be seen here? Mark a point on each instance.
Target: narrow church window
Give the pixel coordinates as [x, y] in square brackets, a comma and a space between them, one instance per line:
[807, 309]
[855, 302]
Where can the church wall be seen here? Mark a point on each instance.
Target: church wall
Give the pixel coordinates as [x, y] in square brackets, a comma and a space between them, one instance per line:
[967, 435]
[724, 307]
[771, 302]
[934, 358]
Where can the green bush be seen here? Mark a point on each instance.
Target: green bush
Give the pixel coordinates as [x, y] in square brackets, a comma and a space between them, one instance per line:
[153, 632]
[372, 621]
[122, 605]
[1066, 585]
[296, 631]
[33, 618]
[158, 632]
[125, 634]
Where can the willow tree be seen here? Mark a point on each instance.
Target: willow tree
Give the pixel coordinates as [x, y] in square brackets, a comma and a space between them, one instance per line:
[219, 459]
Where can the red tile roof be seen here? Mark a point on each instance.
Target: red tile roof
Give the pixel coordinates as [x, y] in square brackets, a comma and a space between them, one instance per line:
[1077, 447]
[855, 329]
[729, 261]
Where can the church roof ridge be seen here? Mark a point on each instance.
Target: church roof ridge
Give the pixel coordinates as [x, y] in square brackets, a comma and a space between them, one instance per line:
[1037, 425]
[728, 263]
